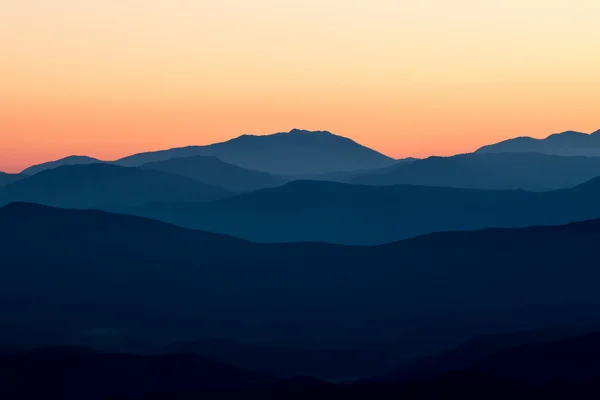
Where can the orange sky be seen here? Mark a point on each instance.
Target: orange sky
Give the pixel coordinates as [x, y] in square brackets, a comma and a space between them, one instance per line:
[408, 78]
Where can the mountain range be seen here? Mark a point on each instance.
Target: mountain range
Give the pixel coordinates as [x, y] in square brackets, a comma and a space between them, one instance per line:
[521, 170]
[97, 185]
[332, 212]
[239, 165]
[212, 171]
[71, 160]
[569, 143]
[294, 152]
[169, 284]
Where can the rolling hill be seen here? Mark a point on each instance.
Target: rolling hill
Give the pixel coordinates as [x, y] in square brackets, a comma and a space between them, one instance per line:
[6, 179]
[97, 185]
[212, 171]
[499, 171]
[569, 143]
[80, 373]
[71, 160]
[92, 270]
[290, 153]
[357, 214]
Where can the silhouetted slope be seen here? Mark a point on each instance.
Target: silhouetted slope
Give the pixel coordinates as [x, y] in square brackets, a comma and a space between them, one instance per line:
[7, 179]
[356, 214]
[98, 270]
[479, 349]
[95, 185]
[567, 143]
[572, 361]
[212, 171]
[294, 152]
[73, 373]
[528, 171]
[340, 176]
[289, 362]
[71, 160]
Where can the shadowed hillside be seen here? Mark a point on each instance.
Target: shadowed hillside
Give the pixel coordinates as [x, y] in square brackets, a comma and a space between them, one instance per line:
[79, 373]
[506, 171]
[171, 284]
[356, 214]
[96, 185]
[6, 179]
[212, 171]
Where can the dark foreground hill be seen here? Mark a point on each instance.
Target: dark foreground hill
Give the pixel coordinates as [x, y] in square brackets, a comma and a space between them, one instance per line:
[480, 349]
[212, 171]
[93, 270]
[292, 153]
[79, 373]
[356, 214]
[482, 170]
[566, 369]
[96, 185]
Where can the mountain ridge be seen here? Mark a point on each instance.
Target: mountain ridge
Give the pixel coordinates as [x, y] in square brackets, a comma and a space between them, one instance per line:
[211, 170]
[99, 184]
[191, 284]
[308, 211]
[568, 143]
[69, 160]
[519, 170]
[280, 153]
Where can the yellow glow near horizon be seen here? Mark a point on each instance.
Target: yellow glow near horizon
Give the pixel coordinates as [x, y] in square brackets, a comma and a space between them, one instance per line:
[408, 78]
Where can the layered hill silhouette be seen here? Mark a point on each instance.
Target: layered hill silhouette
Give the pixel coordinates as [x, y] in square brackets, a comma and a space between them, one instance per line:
[80, 373]
[569, 143]
[480, 349]
[500, 171]
[288, 362]
[295, 152]
[356, 214]
[212, 171]
[96, 185]
[71, 160]
[6, 179]
[96, 270]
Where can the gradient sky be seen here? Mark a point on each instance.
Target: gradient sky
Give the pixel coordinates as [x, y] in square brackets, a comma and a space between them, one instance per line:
[108, 78]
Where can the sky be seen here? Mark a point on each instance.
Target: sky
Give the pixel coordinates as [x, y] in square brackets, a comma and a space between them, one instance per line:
[107, 78]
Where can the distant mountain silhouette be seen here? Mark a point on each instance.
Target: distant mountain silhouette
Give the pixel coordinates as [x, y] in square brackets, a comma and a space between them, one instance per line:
[527, 171]
[96, 185]
[79, 373]
[295, 152]
[6, 179]
[212, 171]
[569, 143]
[91, 269]
[71, 160]
[356, 214]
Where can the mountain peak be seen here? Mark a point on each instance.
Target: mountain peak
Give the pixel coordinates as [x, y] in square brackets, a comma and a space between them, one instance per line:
[568, 133]
[296, 131]
[69, 160]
